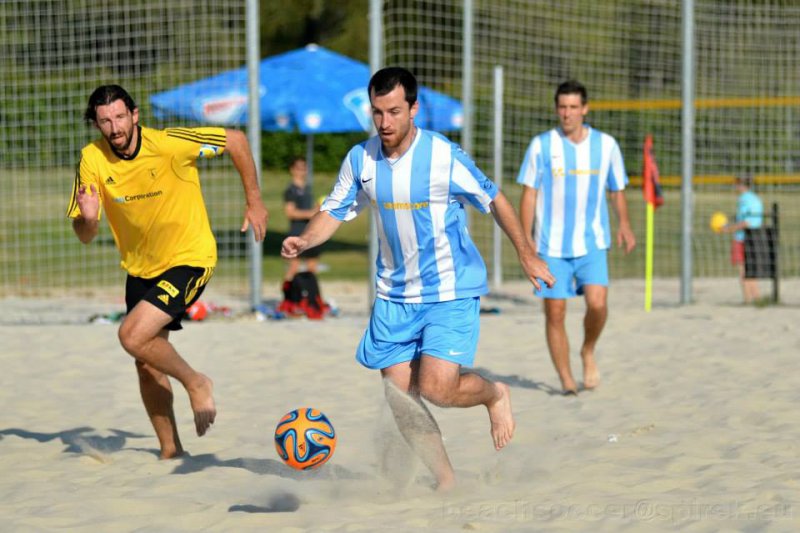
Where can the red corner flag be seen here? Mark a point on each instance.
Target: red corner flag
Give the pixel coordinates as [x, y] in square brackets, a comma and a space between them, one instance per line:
[650, 185]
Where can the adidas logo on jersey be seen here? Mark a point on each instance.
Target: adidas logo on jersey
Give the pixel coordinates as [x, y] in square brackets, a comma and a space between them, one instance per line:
[110, 181]
[164, 298]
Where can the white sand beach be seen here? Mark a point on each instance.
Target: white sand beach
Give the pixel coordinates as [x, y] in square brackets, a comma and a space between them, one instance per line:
[693, 428]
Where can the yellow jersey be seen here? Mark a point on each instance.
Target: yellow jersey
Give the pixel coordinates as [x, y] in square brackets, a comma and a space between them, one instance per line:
[152, 199]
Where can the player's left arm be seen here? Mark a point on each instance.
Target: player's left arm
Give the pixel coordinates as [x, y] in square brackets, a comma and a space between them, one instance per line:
[617, 179]
[505, 216]
[625, 236]
[255, 214]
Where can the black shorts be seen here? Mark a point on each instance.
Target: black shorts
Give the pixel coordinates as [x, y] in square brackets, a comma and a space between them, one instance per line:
[311, 253]
[172, 291]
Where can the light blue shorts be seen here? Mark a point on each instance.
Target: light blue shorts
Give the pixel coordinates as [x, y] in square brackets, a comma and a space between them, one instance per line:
[572, 273]
[399, 332]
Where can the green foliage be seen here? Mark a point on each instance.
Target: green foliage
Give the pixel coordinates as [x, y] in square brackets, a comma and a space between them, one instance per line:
[54, 53]
[279, 148]
[340, 25]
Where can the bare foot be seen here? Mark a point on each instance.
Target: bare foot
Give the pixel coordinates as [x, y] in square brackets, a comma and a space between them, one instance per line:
[500, 416]
[568, 386]
[200, 396]
[446, 484]
[171, 453]
[591, 376]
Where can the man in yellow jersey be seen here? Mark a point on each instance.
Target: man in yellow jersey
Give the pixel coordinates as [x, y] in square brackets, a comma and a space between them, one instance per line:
[147, 183]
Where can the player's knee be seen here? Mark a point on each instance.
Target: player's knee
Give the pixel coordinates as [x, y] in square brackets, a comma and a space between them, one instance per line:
[131, 342]
[435, 392]
[438, 398]
[556, 316]
[596, 306]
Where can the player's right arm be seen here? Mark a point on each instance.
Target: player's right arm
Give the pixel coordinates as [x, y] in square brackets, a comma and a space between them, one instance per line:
[320, 228]
[84, 207]
[85, 224]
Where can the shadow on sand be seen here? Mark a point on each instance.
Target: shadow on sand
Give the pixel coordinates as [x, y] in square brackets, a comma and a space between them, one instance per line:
[197, 463]
[284, 502]
[85, 439]
[519, 381]
[78, 440]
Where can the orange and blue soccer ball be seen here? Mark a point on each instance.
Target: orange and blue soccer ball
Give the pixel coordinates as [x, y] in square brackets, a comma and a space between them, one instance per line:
[305, 438]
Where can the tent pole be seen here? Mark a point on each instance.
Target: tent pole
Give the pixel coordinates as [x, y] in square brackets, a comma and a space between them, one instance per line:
[310, 158]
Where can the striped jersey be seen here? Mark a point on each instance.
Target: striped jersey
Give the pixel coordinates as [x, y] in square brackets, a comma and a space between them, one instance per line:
[425, 253]
[571, 182]
[152, 200]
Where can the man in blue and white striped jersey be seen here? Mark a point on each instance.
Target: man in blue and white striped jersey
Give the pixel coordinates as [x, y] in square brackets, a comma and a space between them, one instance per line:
[566, 175]
[430, 276]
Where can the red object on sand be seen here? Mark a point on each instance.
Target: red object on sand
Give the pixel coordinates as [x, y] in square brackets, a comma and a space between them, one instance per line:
[197, 311]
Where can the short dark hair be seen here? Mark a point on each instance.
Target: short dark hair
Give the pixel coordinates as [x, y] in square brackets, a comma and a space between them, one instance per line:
[572, 87]
[386, 79]
[104, 95]
[746, 180]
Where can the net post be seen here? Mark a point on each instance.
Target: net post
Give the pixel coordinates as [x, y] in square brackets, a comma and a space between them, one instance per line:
[497, 238]
[776, 254]
[254, 137]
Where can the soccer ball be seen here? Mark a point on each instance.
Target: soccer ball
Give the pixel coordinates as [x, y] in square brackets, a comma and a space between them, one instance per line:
[718, 221]
[305, 438]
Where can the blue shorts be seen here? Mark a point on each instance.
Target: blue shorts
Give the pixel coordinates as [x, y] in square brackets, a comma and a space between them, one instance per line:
[572, 273]
[399, 332]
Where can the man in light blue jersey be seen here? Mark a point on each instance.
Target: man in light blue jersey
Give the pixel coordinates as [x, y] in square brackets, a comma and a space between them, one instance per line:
[566, 174]
[425, 320]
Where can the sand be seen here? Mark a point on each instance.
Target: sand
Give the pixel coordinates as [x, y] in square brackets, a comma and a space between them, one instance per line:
[693, 428]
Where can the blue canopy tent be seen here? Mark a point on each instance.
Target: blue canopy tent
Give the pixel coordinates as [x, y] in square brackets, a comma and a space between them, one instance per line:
[310, 90]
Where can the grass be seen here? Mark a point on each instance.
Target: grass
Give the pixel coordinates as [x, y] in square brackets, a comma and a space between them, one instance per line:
[710, 251]
[38, 251]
